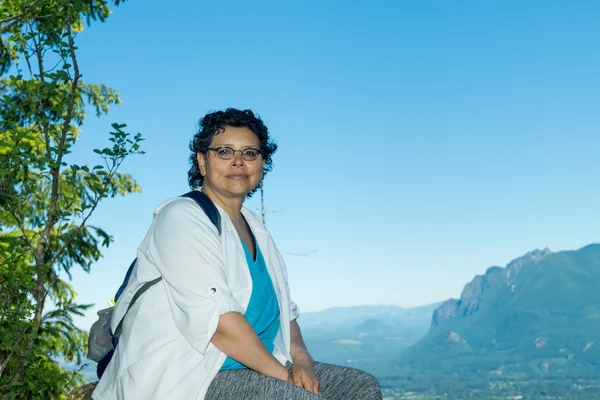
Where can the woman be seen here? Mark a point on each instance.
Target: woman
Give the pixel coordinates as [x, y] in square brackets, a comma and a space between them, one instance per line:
[220, 324]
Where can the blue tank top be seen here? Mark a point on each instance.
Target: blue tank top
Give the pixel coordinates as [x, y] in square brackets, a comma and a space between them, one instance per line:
[263, 310]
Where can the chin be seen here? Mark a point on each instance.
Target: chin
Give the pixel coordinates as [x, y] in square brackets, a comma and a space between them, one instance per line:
[245, 188]
[239, 192]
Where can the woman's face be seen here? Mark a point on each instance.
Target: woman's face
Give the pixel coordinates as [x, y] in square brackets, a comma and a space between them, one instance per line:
[235, 177]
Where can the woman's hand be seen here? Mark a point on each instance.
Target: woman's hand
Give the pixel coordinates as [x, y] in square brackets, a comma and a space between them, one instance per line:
[303, 371]
[303, 375]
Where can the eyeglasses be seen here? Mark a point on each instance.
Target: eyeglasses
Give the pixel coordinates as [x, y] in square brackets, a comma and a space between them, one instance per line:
[227, 153]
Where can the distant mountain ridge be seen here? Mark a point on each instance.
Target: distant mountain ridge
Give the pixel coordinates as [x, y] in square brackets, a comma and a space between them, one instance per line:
[363, 336]
[532, 327]
[476, 290]
[336, 317]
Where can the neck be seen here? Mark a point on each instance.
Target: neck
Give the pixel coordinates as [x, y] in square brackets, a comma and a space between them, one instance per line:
[231, 205]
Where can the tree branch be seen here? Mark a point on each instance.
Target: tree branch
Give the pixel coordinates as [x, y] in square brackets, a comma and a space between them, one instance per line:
[10, 21]
[21, 226]
[95, 203]
[40, 251]
[40, 56]
[4, 362]
[55, 170]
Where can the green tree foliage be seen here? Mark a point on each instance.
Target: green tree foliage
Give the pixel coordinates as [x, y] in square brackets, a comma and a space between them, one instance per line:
[45, 201]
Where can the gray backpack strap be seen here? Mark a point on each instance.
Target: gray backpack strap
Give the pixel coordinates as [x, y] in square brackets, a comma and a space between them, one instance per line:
[141, 291]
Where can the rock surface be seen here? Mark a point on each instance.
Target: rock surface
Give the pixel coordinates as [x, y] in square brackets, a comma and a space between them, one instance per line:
[83, 392]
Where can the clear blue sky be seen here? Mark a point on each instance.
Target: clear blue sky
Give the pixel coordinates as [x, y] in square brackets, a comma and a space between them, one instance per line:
[420, 141]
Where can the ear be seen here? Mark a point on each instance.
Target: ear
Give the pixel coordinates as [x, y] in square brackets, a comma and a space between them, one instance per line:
[201, 163]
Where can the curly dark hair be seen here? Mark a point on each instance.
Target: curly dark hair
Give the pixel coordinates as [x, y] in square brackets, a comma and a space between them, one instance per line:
[213, 124]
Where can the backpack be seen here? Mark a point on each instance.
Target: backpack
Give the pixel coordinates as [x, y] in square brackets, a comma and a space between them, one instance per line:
[102, 342]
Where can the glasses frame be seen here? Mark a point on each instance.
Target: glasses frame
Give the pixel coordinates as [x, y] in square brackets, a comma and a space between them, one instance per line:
[216, 150]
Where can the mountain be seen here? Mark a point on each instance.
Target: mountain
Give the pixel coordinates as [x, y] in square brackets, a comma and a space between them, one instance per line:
[485, 287]
[364, 336]
[531, 326]
[371, 326]
[345, 317]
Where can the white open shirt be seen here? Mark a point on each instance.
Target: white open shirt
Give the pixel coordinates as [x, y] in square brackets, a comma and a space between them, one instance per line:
[165, 351]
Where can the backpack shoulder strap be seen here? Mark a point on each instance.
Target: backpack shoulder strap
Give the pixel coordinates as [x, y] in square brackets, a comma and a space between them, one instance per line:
[213, 214]
[137, 294]
[207, 205]
[125, 281]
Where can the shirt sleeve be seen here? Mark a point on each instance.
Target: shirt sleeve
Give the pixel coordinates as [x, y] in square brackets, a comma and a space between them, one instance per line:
[185, 246]
[294, 310]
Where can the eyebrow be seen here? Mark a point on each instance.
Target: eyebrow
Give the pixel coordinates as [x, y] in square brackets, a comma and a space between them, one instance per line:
[231, 145]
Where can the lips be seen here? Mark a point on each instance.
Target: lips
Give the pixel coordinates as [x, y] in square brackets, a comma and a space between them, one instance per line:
[237, 177]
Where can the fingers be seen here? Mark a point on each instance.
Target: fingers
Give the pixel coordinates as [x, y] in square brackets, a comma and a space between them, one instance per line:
[297, 378]
[311, 388]
[318, 388]
[291, 380]
[305, 381]
[310, 383]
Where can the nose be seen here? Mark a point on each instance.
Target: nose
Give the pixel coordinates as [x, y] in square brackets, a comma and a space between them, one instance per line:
[237, 159]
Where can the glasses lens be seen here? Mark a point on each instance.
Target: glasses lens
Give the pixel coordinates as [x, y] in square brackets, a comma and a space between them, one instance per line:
[250, 154]
[226, 153]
